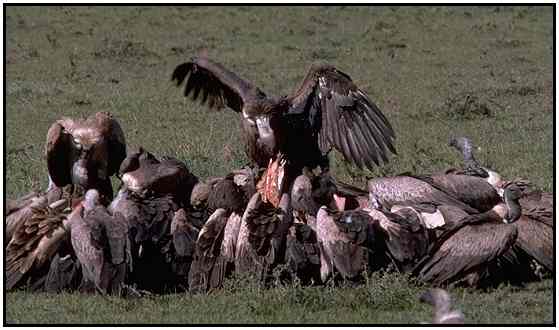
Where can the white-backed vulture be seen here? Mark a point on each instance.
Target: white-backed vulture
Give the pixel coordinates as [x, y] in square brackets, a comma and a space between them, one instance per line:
[326, 111]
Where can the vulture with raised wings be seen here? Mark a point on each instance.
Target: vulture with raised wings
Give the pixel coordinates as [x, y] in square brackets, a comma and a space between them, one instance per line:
[327, 111]
[85, 153]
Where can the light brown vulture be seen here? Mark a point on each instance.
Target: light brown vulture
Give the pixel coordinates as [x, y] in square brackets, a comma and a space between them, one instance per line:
[442, 304]
[153, 191]
[344, 239]
[101, 244]
[475, 249]
[85, 153]
[261, 239]
[39, 233]
[326, 111]
[407, 190]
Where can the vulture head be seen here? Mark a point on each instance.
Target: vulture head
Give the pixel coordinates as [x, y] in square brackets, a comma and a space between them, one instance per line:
[511, 195]
[85, 153]
[440, 300]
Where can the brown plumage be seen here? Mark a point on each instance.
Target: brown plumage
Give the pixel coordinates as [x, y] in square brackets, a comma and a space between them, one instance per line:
[35, 240]
[153, 190]
[302, 254]
[407, 190]
[86, 152]
[206, 272]
[142, 171]
[327, 111]
[101, 243]
[344, 243]
[404, 235]
[470, 251]
[261, 237]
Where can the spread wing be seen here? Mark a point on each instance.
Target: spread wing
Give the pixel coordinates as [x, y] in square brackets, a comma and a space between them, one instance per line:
[343, 116]
[218, 86]
[469, 249]
[57, 151]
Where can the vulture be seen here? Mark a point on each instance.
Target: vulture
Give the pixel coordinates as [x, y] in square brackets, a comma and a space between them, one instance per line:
[442, 304]
[535, 225]
[153, 191]
[326, 111]
[471, 165]
[302, 253]
[344, 240]
[473, 250]
[101, 244]
[40, 232]
[85, 153]
[408, 190]
[262, 235]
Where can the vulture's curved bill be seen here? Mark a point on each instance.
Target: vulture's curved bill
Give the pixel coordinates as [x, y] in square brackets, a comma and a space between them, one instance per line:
[37, 233]
[86, 152]
[142, 171]
[442, 304]
[326, 111]
[100, 241]
[471, 166]
[402, 233]
[471, 249]
[262, 233]
[344, 240]
[302, 254]
[407, 190]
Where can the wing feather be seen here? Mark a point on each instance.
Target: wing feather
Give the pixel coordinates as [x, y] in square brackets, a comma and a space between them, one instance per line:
[217, 84]
[351, 122]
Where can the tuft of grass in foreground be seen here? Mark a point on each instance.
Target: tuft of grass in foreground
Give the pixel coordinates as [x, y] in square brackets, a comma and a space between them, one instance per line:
[485, 72]
[385, 298]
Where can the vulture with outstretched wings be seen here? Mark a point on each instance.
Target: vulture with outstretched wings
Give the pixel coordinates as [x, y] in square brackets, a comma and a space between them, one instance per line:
[327, 111]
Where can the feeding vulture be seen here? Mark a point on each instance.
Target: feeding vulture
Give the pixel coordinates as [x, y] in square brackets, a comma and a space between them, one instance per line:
[101, 244]
[327, 111]
[152, 193]
[474, 249]
[85, 153]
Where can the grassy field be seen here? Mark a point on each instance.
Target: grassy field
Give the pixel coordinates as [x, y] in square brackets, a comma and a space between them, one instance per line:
[434, 71]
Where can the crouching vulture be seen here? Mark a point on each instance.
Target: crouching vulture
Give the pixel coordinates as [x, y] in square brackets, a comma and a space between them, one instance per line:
[327, 111]
[85, 153]
[151, 198]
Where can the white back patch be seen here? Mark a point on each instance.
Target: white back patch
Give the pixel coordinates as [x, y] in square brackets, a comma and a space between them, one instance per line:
[433, 220]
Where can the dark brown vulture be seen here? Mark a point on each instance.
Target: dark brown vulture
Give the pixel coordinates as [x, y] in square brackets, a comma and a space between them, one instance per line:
[153, 191]
[442, 304]
[302, 254]
[85, 153]
[327, 111]
[101, 244]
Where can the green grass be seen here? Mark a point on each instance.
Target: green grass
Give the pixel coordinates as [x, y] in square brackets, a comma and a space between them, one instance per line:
[388, 298]
[417, 64]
